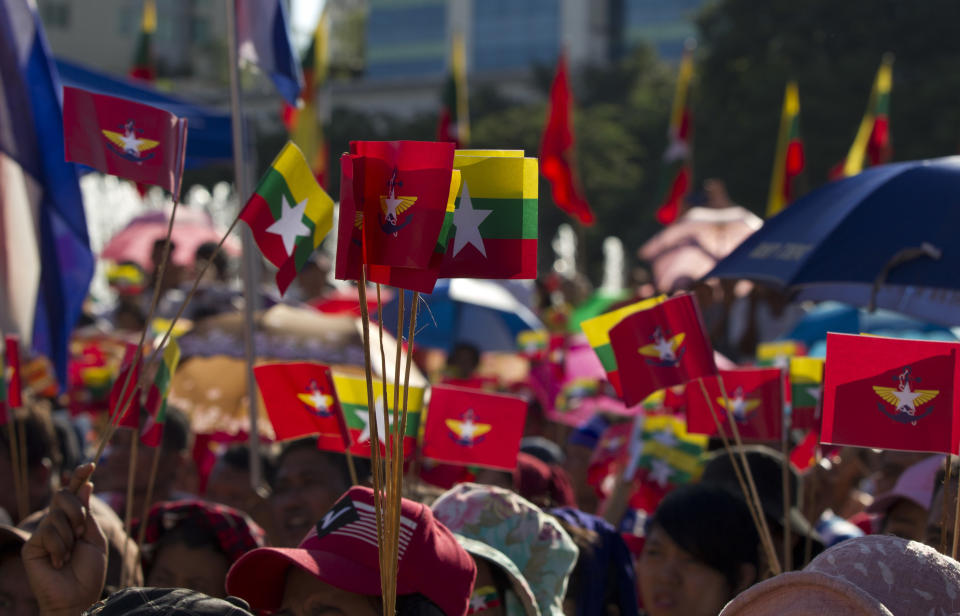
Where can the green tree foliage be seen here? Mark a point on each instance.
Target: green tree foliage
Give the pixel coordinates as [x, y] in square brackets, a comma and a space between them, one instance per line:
[750, 48]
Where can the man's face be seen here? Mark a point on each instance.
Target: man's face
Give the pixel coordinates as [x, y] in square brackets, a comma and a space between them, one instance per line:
[305, 488]
[305, 595]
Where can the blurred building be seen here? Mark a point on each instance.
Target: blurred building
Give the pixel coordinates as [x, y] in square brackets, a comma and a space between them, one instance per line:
[393, 54]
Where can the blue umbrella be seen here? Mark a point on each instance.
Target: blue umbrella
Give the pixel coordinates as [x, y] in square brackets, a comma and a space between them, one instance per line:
[487, 314]
[884, 238]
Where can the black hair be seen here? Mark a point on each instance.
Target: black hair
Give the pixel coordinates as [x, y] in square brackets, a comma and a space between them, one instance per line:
[414, 604]
[220, 261]
[336, 461]
[68, 440]
[41, 437]
[128, 306]
[237, 457]
[176, 431]
[472, 349]
[711, 524]
[188, 533]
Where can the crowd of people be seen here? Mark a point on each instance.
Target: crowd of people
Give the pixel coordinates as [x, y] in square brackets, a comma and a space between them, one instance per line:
[864, 532]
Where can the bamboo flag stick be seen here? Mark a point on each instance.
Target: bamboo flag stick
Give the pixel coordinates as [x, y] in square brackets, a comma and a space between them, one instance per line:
[145, 511]
[15, 464]
[756, 511]
[956, 515]
[371, 417]
[385, 547]
[943, 510]
[24, 467]
[785, 469]
[746, 471]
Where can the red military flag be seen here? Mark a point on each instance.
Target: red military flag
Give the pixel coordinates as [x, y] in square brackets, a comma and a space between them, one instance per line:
[301, 401]
[804, 455]
[675, 182]
[350, 220]
[754, 399]
[557, 148]
[123, 138]
[888, 393]
[659, 347]
[128, 404]
[468, 427]
[14, 387]
[405, 191]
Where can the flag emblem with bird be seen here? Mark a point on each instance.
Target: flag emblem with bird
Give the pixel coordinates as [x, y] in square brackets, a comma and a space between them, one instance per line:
[905, 400]
[665, 350]
[128, 145]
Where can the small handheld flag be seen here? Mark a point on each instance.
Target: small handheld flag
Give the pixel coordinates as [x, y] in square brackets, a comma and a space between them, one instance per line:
[289, 214]
[124, 138]
[156, 403]
[754, 400]
[301, 400]
[598, 329]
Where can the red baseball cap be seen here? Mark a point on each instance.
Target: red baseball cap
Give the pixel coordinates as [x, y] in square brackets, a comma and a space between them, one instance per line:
[341, 550]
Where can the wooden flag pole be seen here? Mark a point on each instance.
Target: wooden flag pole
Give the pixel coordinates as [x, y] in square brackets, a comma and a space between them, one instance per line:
[15, 464]
[397, 453]
[131, 479]
[787, 420]
[943, 510]
[385, 548]
[145, 511]
[746, 470]
[24, 467]
[812, 502]
[371, 418]
[351, 466]
[753, 505]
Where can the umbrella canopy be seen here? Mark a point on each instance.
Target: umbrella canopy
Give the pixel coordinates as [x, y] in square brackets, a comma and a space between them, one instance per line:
[190, 229]
[484, 313]
[691, 247]
[884, 237]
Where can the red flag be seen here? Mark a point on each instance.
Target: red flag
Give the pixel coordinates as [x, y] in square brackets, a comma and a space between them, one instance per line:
[14, 387]
[754, 400]
[556, 150]
[891, 394]
[301, 401]
[611, 449]
[465, 426]
[123, 138]
[405, 190]
[804, 455]
[129, 404]
[350, 221]
[659, 347]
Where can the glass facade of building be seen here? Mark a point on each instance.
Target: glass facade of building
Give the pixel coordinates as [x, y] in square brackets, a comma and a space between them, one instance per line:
[663, 25]
[511, 34]
[406, 38]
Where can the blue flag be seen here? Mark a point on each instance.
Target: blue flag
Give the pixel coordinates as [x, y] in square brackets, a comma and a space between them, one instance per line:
[45, 258]
[263, 39]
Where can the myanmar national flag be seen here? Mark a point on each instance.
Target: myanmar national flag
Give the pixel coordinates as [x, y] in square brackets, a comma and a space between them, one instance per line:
[143, 66]
[471, 428]
[454, 124]
[871, 145]
[667, 454]
[806, 389]
[779, 352]
[352, 392]
[789, 160]
[493, 230]
[676, 175]
[532, 343]
[301, 400]
[289, 214]
[598, 329]
[156, 406]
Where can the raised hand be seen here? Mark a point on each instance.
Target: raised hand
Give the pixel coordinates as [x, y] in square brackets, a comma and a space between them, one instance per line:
[66, 558]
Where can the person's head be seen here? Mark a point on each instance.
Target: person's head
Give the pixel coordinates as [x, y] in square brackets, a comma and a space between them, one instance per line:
[579, 452]
[604, 581]
[701, 550]
[192, 544]
[156, 251]
[876, 575]
[335, 568]
[545, 485]
[174, 458]
[307, 482]
[43, 459]
[943, 508]
[229, 480]
[219, 269]
[463, 361]
[129, 315]
[904, 509]
[16, 598]
[165, 601]
[534, 541]
[766, 468]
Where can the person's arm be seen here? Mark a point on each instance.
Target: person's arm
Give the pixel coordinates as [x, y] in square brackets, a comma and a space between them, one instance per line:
[66, 557]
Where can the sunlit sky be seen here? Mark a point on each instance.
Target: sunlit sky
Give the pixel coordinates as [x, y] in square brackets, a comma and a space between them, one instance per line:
[303, 19]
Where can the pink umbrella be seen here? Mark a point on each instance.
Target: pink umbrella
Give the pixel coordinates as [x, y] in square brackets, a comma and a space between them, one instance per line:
[689, 248]
[190, 229]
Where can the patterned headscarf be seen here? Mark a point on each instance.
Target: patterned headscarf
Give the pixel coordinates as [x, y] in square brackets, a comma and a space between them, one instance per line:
[232, 530]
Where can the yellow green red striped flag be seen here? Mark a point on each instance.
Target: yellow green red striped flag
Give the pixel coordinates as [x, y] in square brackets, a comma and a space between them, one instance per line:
[352, 394]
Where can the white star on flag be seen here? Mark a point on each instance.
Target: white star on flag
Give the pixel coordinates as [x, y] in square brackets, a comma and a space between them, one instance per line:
[661, 472]
[365, 418]
[290, 224]
[467, 221]
[319, 401]
[131, 143]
